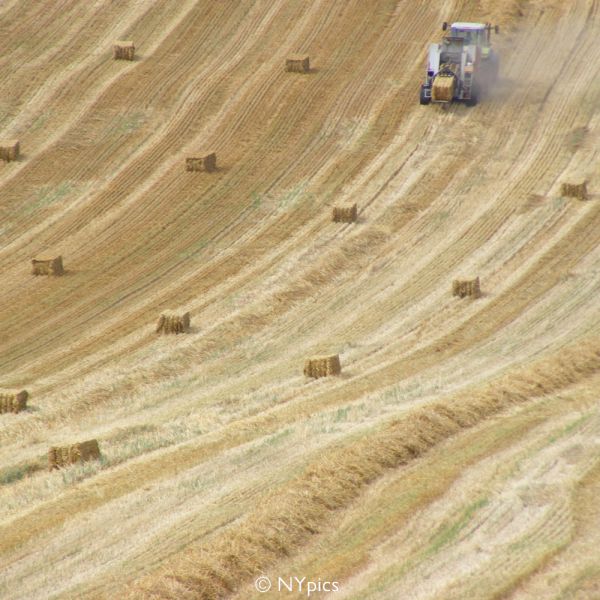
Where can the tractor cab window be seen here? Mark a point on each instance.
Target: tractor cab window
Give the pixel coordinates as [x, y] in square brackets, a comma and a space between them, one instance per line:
[471, 36]
[461, 33]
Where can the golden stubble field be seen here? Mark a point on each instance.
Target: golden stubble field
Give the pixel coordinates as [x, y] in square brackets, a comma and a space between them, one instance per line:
[458, 453]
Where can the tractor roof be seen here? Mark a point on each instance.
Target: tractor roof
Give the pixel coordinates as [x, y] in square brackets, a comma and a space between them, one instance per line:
[472, 26]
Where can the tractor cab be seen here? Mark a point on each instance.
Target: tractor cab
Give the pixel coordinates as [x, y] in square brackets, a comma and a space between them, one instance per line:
[471, 33]
[477, 34]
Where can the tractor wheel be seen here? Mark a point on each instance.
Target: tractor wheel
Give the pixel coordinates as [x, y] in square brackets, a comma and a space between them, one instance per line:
[423, 99]
[472, 101]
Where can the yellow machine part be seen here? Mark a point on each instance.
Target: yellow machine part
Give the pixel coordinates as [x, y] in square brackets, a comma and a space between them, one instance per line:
[442, 89]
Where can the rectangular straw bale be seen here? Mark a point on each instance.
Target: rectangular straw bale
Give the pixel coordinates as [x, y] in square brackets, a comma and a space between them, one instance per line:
[123, 50]
[298, 63]
[345, 213]
[466, 287]
[59, 456]
[63, 456]
[52, 459]
[172, 323]
[13, 402]
[202, 162]
[322, 366]
[83, 451]
[575, 190]
[9, 150]
[442, 89]
[47, 266]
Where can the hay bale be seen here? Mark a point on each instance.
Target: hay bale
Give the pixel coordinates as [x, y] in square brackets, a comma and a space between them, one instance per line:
[466, 287]
[322, 366]
[345, 214]
[172, 323]
[575, 190]
[443, 88]
[206, 161]
[13, 402]
[47, 266]
[85, 451]
[63, 456]
[123, 50]
[9, 150]
[298, 63]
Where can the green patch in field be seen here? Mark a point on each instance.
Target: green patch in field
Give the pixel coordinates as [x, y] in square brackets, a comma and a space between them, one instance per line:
[569, 428]
[141, 445]
[173, 384]
[126, 124]
[415, 389]
[39, 121]
[256, 199]
[274, 439]
[588, 575]
[263, 449]
[448, 532]
[142, 439]
[48, 195]
[293, 197]
[559, 203]
[297, 195]
[577, 137]
[4, 115]
[193, 485]
[341, 414]
[16, 472]
[340, 302]
[79, 472]
[193, 250]
[130, 432]
[538, 553]
[439, 217]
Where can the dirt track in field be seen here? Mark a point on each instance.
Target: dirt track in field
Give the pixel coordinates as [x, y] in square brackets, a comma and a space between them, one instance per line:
[197, 431]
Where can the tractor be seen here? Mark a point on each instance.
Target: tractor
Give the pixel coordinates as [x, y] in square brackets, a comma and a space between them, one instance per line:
[463, 66]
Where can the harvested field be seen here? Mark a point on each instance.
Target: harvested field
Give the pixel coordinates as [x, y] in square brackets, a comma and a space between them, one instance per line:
[453, 452]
